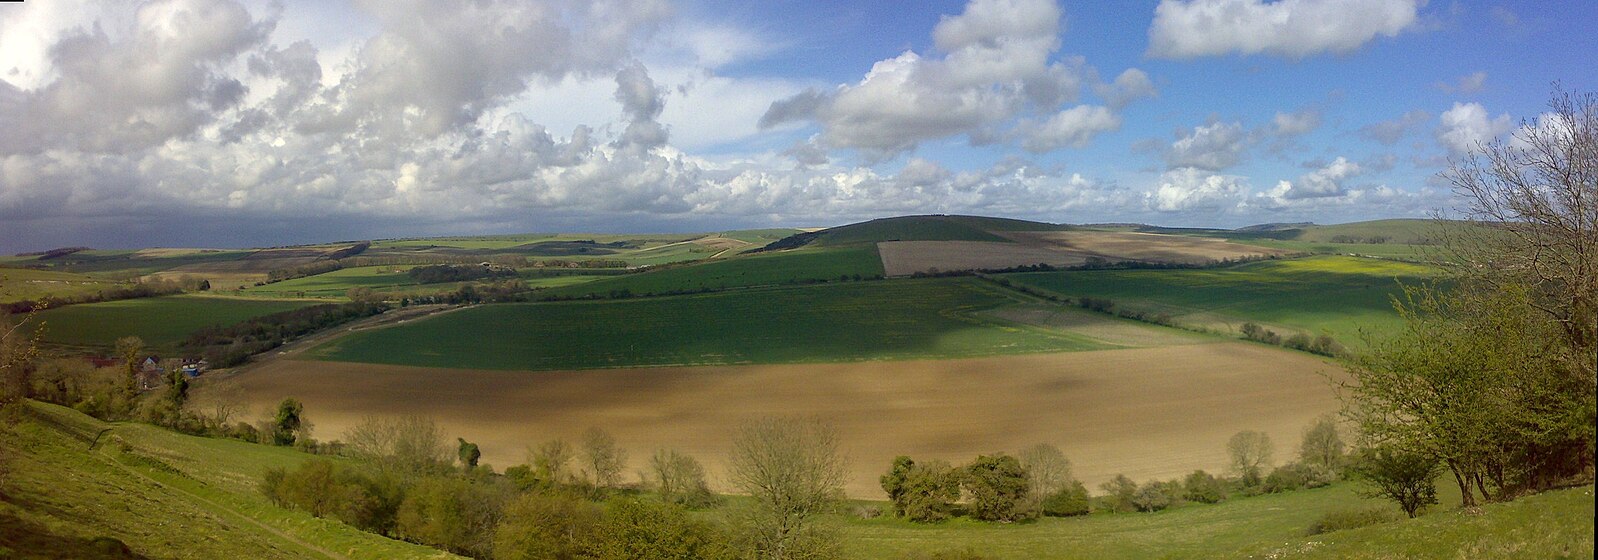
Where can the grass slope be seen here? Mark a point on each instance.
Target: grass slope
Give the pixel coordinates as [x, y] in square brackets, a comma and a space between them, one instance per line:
[1337, 295]
[759, 269]
[1556, 524]
[823, 323]
[162, 322]
[173, 496]
[927, 228]
[22, 283]
[392, 278]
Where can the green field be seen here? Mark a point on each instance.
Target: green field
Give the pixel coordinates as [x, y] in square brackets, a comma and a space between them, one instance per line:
[760, 269]
[1399, 251]
[927, 228]
[188, 497]
[824, 323]
[393, 278]
[162, 322]
[180, 496]
[1555, 524]
[1312, 295]
[22, 283]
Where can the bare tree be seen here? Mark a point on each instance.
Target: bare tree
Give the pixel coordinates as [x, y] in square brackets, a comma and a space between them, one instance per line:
[1321, 444]
[680, 479]
[551, 461]
[1250, 452]
[603, 460]
[792, 469]
[1047, 469]
[410, 443]
[1536, 200]
[18, 352]
[226, 400]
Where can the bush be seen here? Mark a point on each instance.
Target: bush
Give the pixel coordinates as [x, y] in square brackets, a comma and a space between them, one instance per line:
[1286, 478]
[636, 529]
[1152, 496]
[1203, 488]
[1338, 520]
[1069, 501]
[541, 525]
[996, 486]
[921, 492]
[451, 513]
[1119, 493]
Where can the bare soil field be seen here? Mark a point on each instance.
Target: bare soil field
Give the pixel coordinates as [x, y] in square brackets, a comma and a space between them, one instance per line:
[1058, 248]
[903, 258]
[1147, 413]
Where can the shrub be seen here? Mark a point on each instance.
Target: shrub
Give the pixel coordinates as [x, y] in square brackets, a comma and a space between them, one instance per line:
[1401, 476]
[921, 492]
[997, 486]
[1204, 488]
[1340, 519]
[451, 513]
[541, 525]
[1118, 494]
[1069, 501]
[1289, 477]
[1151, 496]
[637, 529]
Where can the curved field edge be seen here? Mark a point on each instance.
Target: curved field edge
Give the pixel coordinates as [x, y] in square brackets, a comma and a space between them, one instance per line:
[183, 497]
[855, 321]
[162, 322]
[1341, 296]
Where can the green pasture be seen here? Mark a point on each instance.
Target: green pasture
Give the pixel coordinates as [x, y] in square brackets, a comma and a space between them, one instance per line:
[927, 228]
[1312, 295]
[923, 318]
[161, 321]
[759, 269]
[1399, 251]
[171, 496]
[23, 283]
[1556, 524]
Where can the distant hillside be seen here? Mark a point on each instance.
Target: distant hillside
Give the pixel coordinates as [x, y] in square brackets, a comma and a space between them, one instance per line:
[914, 228]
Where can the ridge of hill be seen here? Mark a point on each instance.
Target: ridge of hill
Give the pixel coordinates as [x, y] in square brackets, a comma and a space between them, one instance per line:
[932, 227]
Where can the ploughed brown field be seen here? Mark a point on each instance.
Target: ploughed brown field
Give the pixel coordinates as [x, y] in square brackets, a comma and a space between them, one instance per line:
[1058, 248]
[1144, 412]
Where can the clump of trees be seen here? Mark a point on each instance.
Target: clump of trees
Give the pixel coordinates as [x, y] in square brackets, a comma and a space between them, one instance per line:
[439, 273]
[233, 344]
[1322, 344]
[143, 289]
[1494, 374]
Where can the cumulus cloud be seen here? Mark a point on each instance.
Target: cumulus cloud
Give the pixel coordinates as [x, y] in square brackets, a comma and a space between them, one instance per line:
[1469, 83]
[1212, 147]
[1131, 85]
[1292, 28]
[1073, 127]
[1295, 123]
[1467, 125]
[1326, 181]
[1390, 132]
[1190, 188]
[992, 67]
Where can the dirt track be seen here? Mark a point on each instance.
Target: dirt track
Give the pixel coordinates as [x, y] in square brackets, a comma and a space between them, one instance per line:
[1154, 412]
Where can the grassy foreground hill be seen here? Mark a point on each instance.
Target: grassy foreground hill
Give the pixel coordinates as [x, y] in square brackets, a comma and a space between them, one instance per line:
[76, 487]
[73, 483]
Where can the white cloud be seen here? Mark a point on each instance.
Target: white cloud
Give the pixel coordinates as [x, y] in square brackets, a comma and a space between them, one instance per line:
[1213, 147]
[1074, 127]
[1469, 83]
[991, 70]
[1296, 123]
[1324, 182]
[1190, 188]
[1462, 128]
[1390, 132]
[1292, 28]
[1131, 85]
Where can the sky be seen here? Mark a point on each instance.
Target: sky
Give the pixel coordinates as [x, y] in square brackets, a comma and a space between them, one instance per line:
[227, 123]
